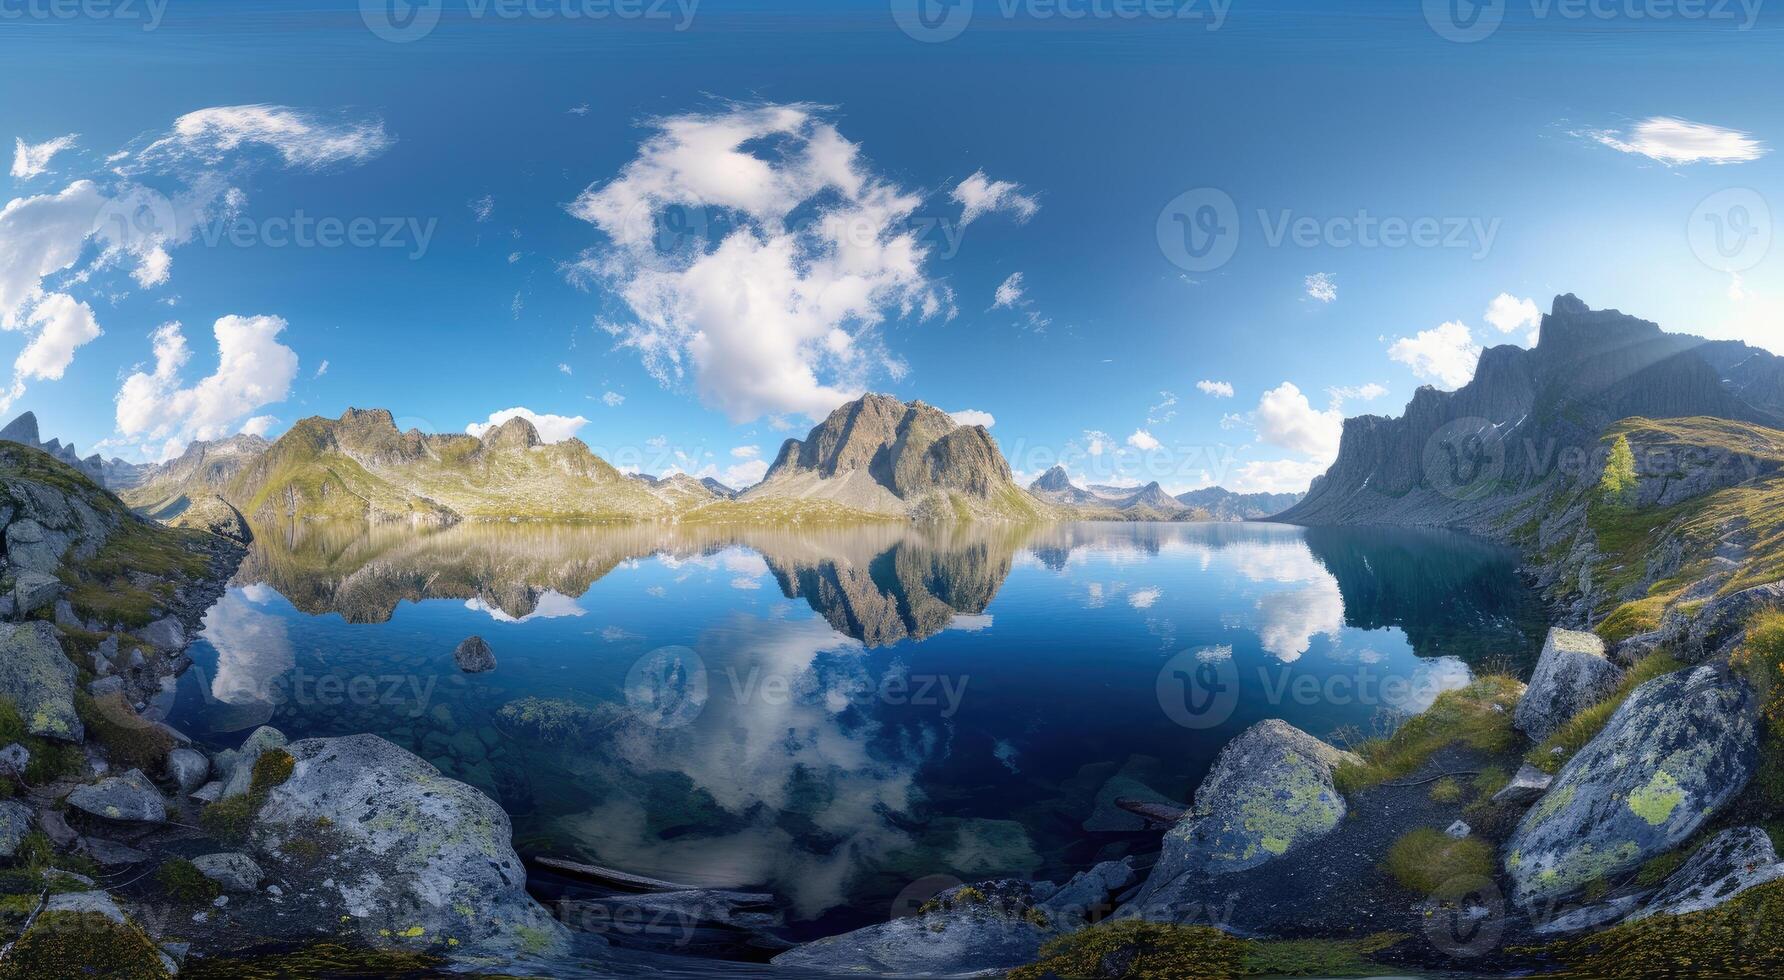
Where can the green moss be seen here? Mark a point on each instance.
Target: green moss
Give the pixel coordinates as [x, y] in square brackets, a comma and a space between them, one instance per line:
[1736, 939]
[1478, 716]
[1446, 790]
[129, 742]
[1585, 726]
[1430, 862]
[1658, 869]
[73, 944]
[230, 820]
[317, 960]
[1156, 951]
[271, 769]
[183, 881]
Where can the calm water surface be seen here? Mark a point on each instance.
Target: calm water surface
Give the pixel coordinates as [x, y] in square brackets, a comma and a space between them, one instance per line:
[833, 715]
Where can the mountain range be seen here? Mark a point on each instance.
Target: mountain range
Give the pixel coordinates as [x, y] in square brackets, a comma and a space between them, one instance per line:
[1151, 503]
[113, 473]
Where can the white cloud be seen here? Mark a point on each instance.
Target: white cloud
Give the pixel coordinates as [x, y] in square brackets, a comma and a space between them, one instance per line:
[1678, 141]
[1009, 292]
[1285, 418]
[1507, 313]
[552, 428]
[1144, 598]
[1097, 442]
[1275, 475]
[972, 416]
[1163, 411]
[979, 196]
[778, 316]
[1322, 286]
[613, 399]
[1219, 389]
[746, 452]
[1367, 392]
[1446, 354]
[253, 369]
[30, 160]
[62, 324]
[563, 368]
[259, 425]
[301, 139]
[1142, 440]
[322, 369]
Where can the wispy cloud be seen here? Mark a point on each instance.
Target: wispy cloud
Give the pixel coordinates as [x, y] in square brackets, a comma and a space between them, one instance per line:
[1218, 389]
[33, 159]
[978, 196]
[1322, 286]
[1675, 142]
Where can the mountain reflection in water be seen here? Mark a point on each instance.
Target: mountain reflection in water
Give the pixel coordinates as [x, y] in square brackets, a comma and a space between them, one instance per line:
[831, 714]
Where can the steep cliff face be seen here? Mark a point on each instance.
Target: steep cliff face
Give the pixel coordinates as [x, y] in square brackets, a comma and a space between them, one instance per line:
[1484, 456]
[879, 455]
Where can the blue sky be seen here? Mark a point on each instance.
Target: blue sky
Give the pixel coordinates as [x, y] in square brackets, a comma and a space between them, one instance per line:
[501, 261]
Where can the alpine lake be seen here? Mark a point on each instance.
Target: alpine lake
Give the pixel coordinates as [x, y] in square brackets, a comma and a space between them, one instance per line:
[848, 718]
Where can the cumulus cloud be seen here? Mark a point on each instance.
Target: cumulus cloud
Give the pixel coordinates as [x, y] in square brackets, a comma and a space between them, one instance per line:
[1275, 475]
[305, 140]
[32, 159]
[1219, 389]
[1507, 313]
[746, 452]
[972, 416]
[253, 369]
[777, 315]
[61, 324]
[1287, 419]
[1675, 142]
[1322, 286]
[1097, 442]
[978, 196]
[259, 425]
[552, 428]
[1142, 440]
[1445, 354]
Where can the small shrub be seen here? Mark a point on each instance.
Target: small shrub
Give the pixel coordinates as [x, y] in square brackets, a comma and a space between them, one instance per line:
[271, 770]
[1446, 790]
[183, 881]
[231, 819]
[1430, 862]
[1157, 951]
[129, 742]
[1735, 939]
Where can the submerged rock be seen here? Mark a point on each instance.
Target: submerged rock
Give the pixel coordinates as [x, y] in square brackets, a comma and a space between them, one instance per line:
[1671, 757]
[416, 860]
[1730, 863]
[473, 656]
[970, 930]
[1572, 673]
[1269, 791]
[130, 797]
[40, 680]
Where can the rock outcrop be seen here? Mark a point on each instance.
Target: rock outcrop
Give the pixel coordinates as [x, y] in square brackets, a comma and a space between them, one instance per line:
[129, 798]
[39, 679]
[1571, 674]
[1672, 756]
[1724, 866]
[23, 430]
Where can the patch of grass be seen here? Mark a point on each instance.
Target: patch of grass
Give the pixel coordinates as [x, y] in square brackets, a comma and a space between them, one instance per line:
[271, 769]
[184, 882]
[1156, 951]
[1478, 716]
[1585, 726]
[129, 742]
[50, 760]
[318, 960]
[1659, 868]
[109, 586]
[1446, 790]
[1761, 661]
[231, 820]
[1736, 939]
[1631, 618]
[1490, 781]
[1431, 862]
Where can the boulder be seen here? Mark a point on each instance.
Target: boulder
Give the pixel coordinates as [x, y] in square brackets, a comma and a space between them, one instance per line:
[32, 591]
[110, 853]
[1090, 895]
[1729, 863]
[1269, 791]
[416, 860]
[235, 871]
[165, 633]
[15, 823]
[1526, 786]
[1672, 756]
[473, 656]
[14, 759]
[236, 767]
[95, 902]
[969, 930]
[130, 797]
[188, 767]
[40, 680]
[32, 547]
[1573, 673]
[1722, 619]
[210, 792]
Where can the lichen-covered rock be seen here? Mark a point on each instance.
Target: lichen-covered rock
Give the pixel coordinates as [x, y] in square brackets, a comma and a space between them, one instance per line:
[130, 797]
[15, 823]
[13, 760]
[1269, 791]
[1722, 619]
[1730, 863]
[40, 680]
[236, 767]
[233, 870]
[188, 768]
[416, 860]
[473, 655]
[971, 930]
[1672, 756]
[1089, 895]
[1573, 673]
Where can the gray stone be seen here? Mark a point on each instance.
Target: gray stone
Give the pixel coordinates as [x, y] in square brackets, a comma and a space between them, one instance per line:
[1089, 896]
[1458, 830]
[40, 679]
[473, 656]
[101, 686]
[188, 768]
[13, 761]
[110, 853]
[65, 617]
[56, 828]
[235, 871]
[1723, 619]
[164, 634]
[1526, 787]
[237, 768]
[1672, 756]
[32, 591]
[15, 823]
[210, 792]
[1730, 863]
[95, 902]
[1579, 918]
[959, 934]
[32, 547]
[130, 797]
[410, 849]
[1572, 674]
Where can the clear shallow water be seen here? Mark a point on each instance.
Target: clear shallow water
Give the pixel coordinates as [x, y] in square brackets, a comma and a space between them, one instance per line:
[834, 715]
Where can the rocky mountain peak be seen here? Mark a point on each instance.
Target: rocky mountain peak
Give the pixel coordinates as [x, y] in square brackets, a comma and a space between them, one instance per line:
[1054, 479]
[22, 429]
[516, 433]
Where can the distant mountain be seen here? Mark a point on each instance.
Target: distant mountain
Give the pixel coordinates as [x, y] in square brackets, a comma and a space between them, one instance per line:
[23, 430]
[165, 490]
[1224, 505]
[681, 491]
[878, 455]
[1054, 486]
[1488, 455]
[1104, 502]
